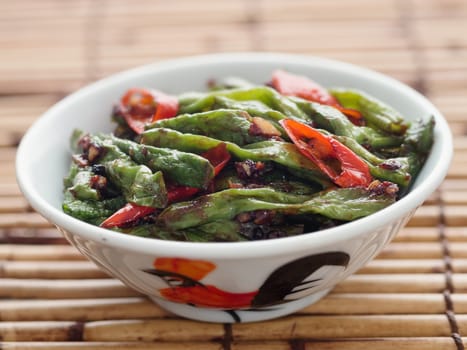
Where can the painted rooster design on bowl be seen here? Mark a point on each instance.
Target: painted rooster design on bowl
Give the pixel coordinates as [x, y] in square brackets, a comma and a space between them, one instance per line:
[184, 279]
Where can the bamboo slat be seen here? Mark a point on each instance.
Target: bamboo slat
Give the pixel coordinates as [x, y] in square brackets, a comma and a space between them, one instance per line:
[13, 204]
[273, 35]
[79, 309]
[266, 345]
[447, 60]
[397, 63]
[427, 215]
[455, 215]
[50, 270]
[300, 10]
[393, 283]
[139, 308]
[421, 250]
[462, 323]
[437, 9]
[412, 250]
[356, 304]
[440, 32]
[402, 283]
[9, 189]
[379, 344]
[69, 345]
[7, 155]
[362, 326]
[451, 184]
[64, 289]
[31, 236]
[179, 13]
[457, 128]
[40, 331]
[397, 266]
[38, 252]
[455, 198]
[447, 81]
[386, 303]
[13, 220]
[419, 343]
[152, 330]
[418, 234]
[459, 265]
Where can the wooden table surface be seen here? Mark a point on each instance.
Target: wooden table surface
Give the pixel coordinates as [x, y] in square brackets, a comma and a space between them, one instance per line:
[413, 296]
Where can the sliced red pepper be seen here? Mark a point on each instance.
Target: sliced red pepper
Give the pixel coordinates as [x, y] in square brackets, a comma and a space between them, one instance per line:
[131, 212]
[218, 157]
[352, 114]
[296, 85]
[167, 106]
[126, 215]
[180, 193]
[138, 97]
[140, 107]
[334, 159]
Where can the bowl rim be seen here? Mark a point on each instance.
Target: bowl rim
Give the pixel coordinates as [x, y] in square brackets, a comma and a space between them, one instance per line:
[234, 250]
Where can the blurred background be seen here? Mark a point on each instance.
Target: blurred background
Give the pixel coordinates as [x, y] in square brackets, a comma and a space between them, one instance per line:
[51, 48]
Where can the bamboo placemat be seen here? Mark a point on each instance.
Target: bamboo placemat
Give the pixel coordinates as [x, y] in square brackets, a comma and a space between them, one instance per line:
[412, 296]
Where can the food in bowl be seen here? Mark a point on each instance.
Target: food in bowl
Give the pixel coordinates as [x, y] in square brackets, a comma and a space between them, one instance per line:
[244, 161]
[224, 281]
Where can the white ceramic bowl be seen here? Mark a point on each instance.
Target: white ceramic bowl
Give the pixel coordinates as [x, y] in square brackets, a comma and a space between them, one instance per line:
[223, 282]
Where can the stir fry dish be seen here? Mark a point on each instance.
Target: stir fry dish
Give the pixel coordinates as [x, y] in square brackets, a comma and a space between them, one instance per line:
[243, 162]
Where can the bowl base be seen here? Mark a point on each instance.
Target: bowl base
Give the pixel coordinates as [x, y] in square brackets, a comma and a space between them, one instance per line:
[241, 315]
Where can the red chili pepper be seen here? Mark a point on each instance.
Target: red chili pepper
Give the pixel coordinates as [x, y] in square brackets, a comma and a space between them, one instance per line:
[352, 114]
[167, 106]
[140, 107]
[295, 85]
[131, 212]
[126, 215]
[177, 193]
[218, 157]
[334, 159]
